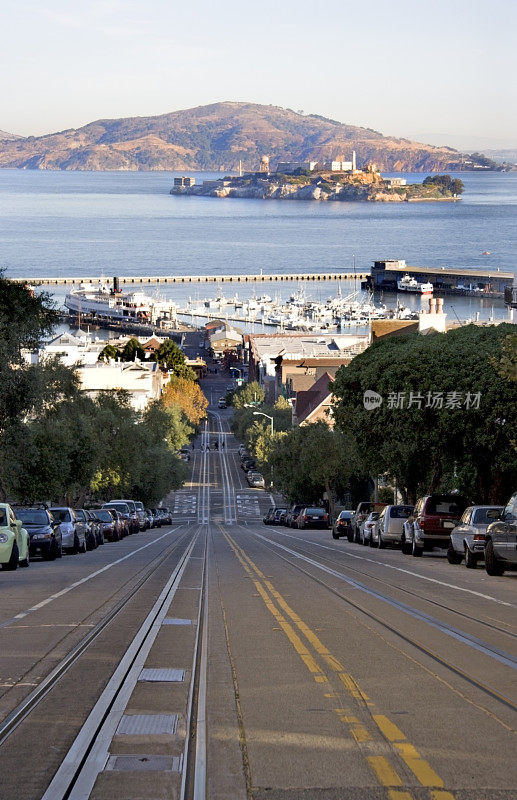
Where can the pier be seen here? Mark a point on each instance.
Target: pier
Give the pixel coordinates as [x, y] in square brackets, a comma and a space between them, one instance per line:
[151, 280]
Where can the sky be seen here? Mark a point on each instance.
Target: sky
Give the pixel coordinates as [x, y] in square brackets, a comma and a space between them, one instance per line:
[443, 71]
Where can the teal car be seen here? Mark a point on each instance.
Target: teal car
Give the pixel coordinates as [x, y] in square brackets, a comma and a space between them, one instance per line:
[14, 540]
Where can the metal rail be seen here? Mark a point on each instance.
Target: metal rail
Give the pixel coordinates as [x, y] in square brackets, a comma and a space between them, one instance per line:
[23, 709]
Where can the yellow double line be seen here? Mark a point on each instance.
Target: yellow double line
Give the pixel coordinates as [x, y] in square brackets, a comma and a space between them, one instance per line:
[383, 770]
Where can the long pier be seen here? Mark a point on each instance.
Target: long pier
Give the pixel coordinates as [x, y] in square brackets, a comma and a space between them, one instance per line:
[137, 280]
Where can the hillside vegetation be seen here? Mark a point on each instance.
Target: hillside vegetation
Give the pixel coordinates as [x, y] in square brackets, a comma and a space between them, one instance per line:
[217, 137]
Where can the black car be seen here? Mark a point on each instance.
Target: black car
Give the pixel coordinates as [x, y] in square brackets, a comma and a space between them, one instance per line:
[343, 526]
[312, 517]
[292, 515]
[44, 532]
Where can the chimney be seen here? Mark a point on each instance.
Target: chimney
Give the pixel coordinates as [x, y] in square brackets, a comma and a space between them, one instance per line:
[353, 160]
[432, 305]
[116, 287]
[439, 305]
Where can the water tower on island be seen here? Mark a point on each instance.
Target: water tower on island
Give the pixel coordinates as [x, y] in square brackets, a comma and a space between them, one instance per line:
[264, 164]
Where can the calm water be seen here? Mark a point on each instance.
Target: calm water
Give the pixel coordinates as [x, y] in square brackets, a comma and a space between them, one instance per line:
[87, 223]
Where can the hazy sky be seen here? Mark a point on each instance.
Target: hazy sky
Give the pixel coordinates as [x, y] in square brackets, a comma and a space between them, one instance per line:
[443, 68]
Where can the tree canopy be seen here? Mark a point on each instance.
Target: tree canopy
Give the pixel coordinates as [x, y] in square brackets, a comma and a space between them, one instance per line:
[447, 416]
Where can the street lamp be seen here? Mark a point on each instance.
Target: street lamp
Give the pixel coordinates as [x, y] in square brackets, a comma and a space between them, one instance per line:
[261, 414]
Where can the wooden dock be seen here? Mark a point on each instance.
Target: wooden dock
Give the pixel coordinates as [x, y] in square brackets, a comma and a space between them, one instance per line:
[146, 280]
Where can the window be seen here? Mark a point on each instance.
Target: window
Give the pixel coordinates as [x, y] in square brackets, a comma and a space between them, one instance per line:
[400, 512]
[510, 511]
[3, 518]
[466, 516]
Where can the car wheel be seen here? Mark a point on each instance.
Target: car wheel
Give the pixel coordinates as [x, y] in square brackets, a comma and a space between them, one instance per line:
[405, 547]
[82, 548]
[26, 562]
[416, 551]
[52, 552]
[380, 544]
[370, 541]
[492, 564]
[350, 536]
[335, 535]
[452, 556]
[471, 561]
[77, 545]
[12, 564]
[59, 550]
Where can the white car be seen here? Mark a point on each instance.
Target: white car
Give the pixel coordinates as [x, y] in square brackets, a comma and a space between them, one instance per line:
[468, 538]
[389, 526]
[365, 536]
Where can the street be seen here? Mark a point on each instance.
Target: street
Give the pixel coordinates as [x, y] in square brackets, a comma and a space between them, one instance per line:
[255, 662]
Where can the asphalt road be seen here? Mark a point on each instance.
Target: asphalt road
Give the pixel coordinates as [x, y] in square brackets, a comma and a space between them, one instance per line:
[324, 670]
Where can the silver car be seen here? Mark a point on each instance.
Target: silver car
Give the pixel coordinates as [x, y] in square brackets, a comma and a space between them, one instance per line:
[73, 531]
[468, 538]
[367, 526]
[389, 526]
[501, 540]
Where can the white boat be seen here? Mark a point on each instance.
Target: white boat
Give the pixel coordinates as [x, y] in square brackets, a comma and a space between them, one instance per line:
[409, 284]
[104, 303]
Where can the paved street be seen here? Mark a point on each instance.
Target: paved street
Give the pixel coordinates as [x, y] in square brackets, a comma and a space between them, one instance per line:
[272, 663]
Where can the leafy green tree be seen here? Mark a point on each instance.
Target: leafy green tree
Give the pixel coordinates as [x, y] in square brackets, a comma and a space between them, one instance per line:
[249, 394]
[132, 350]
[109, 353]
[312, 460]
[169, 355]
[429, 444]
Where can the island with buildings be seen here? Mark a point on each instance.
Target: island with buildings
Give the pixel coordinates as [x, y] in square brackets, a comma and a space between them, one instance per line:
[337, 179]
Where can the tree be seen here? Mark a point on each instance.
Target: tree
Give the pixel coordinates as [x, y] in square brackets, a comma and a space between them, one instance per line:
[462, 442]
[312, 460]
[109, 353]
[249, 394]
[132, 350]
[170, 356]
[188, 396]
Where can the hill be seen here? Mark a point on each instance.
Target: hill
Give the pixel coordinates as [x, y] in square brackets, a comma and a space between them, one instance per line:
[217, 137]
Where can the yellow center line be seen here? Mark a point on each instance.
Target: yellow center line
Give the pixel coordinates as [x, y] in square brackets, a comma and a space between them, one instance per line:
[380, 765]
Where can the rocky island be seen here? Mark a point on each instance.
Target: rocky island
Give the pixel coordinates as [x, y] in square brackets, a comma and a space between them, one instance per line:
[365, 185]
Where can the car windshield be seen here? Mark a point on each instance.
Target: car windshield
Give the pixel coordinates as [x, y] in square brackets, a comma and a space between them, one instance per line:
[445, 504]
[32, 517]
[481, 517]
[81, 514]
[104, 516]
[345, 515]
[122, 507]
[401, 512]
[375, 515]
[139, 506]
[61, 514]
[315, 511]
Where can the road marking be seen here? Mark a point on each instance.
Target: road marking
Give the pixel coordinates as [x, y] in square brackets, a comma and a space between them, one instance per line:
[449, 630]
[87, 578]
[398, 569]
[381, 767]
[384, 771]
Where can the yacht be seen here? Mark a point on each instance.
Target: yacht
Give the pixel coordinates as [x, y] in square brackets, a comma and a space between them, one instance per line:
[106, 303]
[409, 284]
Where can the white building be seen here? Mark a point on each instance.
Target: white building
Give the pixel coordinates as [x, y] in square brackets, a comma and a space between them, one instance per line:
[142, 381]
[287, 167]
[71, 349]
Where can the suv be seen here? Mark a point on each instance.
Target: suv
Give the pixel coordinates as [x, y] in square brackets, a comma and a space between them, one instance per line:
[142, 516]
[501, 540]
[431, 522]
[44, 531]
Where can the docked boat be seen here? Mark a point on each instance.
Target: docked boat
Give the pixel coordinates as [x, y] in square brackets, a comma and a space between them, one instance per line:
[106, 303]
[409, 284]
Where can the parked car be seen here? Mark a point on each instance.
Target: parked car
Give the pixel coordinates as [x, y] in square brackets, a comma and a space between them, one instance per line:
[14, 540]
[150, 517]
[128, 510]
[73, 531]
[222, 402]
[292, 515]
[389, 526]
[501, 540]
[44, 531]
[90, 527]
[274, 514]
[431, 522]
[122, 522]
[99, 535]
[343, 525]
[363, 509]
[367, 526]
[167, 515]
[107, 523]
[142, 516]
[312, 517]
[247, 464]
[256, 480]
[468, 538]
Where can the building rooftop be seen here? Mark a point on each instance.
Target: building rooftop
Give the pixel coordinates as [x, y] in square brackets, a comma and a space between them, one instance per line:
[298, 346]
